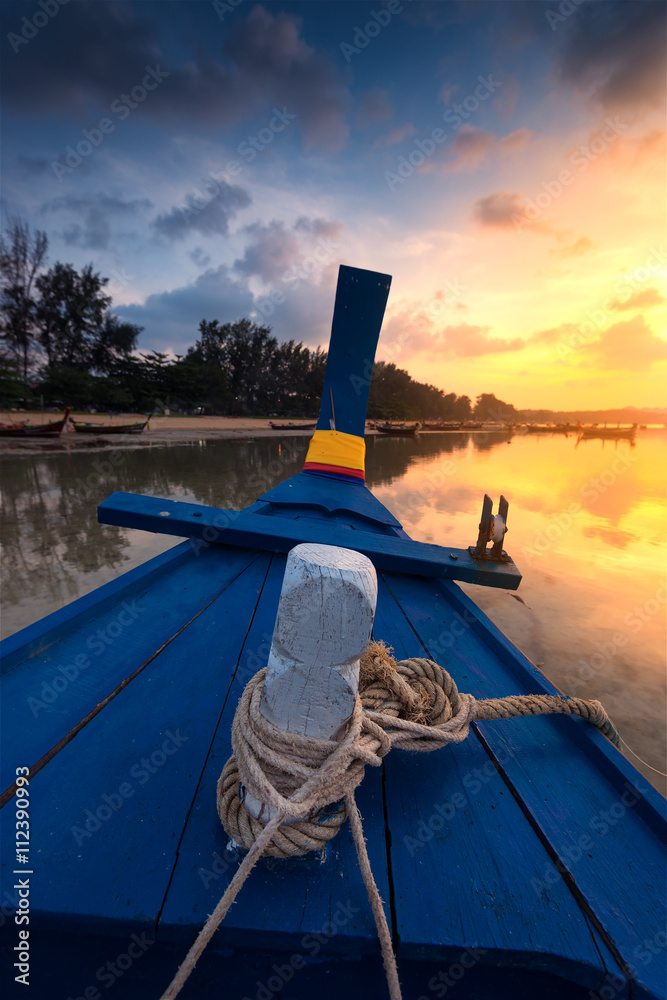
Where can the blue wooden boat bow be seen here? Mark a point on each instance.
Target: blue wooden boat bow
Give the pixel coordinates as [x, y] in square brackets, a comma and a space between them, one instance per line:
[526, 861]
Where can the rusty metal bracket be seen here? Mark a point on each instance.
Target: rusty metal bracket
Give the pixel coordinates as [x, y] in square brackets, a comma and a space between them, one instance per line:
[491, 529]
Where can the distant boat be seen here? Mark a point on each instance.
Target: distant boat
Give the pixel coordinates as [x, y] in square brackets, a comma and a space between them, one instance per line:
[613, 433]
[398, 431]
[86, 428]
[292, 427]
[442, 425]
[472, 425]
[52, 429]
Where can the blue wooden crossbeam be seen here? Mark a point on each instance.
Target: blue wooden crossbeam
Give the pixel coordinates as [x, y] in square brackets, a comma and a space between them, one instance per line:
[277, 534]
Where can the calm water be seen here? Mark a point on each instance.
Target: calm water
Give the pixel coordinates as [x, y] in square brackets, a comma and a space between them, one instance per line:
[587, 528]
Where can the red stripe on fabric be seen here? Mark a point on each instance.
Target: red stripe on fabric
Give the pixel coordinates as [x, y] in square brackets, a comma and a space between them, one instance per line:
[319, 467]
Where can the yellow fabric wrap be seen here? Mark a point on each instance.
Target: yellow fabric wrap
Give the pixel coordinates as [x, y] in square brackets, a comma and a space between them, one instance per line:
[346, 451]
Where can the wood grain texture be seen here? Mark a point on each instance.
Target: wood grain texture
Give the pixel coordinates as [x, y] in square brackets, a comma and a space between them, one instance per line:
[275, 534]
[324, 622]
[286, 902]
[616, 869]
[108, 811]
[48, 692]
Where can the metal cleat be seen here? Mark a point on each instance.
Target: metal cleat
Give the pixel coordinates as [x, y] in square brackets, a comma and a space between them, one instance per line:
[492, 528]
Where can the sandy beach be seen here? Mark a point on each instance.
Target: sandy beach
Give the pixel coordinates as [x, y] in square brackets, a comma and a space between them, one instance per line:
[172, 429]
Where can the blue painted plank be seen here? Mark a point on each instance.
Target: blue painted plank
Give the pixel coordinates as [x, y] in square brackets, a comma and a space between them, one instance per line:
[131, 775]
[361, 298]
[284, 901]
[37, 636]
[330, 497]
[225, 527]
[47, 694]
[464, 854]
[614, 861]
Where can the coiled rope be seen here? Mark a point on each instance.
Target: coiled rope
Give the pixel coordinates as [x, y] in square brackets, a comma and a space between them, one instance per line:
[412, 705]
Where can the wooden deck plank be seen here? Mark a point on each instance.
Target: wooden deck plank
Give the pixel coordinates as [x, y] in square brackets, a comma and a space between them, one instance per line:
[613, 860]
[131, 775]
[36, 637]
[48, 692]
[463, 856]
[284, 902]
[390, 552]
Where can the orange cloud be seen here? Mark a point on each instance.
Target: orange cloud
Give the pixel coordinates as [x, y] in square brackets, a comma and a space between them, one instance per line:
[577, 249]
[627, 346]
[506, 210]
[472, 146]
[647, 299]
[396, 135]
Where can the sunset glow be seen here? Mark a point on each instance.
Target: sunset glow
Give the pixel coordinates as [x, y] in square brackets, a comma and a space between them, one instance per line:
[505, 162]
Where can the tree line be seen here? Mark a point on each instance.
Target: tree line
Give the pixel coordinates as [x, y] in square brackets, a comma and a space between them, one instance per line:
[60, 340]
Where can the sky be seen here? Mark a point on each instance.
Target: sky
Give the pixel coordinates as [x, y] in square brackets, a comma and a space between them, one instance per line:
[504, 161]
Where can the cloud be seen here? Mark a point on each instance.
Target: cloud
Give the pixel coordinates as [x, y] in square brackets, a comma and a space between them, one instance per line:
[319, 227]
[200, 258]
[647, 299]
[93, 53]
[207, 217]
[508, 210]
[471, 147]
[375, 107]
[396, 135]
[275, 250]
[616, 52]
[33, 166]
[627, 346]
[413, 331]
[171, 319]
[96, 213]
[577, 249]
[271, 253]
[466, 341]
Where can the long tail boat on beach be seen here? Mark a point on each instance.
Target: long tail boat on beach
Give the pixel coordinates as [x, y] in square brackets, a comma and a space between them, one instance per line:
[292, 427]
[52, 429]
[88, 428]
[610, 433]
[398, 430]
[523, 857]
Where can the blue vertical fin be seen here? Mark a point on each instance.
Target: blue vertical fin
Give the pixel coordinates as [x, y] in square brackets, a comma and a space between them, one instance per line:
[361, 298]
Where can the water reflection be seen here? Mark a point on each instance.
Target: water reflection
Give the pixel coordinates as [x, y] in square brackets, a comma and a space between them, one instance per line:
[586, 527]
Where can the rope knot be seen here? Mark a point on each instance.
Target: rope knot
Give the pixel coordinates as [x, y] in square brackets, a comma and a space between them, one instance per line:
[302, 778]
[416, 701]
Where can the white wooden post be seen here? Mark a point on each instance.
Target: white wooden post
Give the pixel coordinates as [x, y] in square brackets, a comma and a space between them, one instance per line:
[324, 622]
